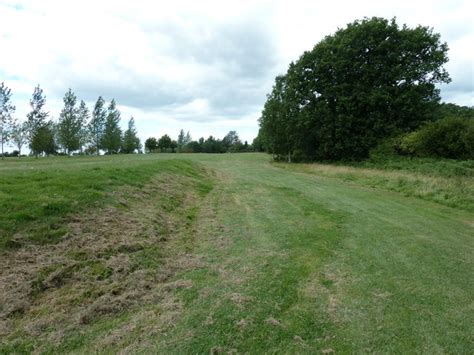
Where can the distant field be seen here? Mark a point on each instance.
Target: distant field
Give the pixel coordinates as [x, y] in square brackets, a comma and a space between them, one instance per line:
[196, 253]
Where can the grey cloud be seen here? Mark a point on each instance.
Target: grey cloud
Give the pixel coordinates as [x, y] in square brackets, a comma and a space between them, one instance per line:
[239, 57]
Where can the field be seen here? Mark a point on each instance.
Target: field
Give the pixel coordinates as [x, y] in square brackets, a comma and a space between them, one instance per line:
[196, 253]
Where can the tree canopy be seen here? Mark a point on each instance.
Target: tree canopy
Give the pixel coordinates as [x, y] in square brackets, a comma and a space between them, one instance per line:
[6, 111]
[96, 126]
[131, 142]
[112, 137]
[70, 124]
[365, 82]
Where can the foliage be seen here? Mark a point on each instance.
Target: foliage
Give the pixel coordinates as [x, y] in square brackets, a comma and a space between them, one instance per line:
[231, 143]
[183, 141]
[83, 117]
[452, 110]
[36, 118]
[277, 126]
[166, 144]
[258, 144]
[355, 88]
[70, 124]
[19, 135]
[96, 126]
[42, 139]
[131, 142]
[151, 145]
[112, 138]
[6, 111]
[451, 137]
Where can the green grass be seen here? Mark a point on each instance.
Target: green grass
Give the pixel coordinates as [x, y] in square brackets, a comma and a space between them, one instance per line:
[259, 257]
[447, 182]
[37, 194]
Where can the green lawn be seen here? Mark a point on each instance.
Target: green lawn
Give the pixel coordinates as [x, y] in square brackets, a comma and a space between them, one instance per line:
[233, 253]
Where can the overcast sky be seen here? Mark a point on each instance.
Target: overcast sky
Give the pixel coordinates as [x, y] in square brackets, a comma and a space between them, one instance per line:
[204, 66]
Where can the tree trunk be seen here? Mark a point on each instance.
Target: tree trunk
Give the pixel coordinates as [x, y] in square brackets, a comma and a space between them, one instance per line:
[289, 157]
[3, 157]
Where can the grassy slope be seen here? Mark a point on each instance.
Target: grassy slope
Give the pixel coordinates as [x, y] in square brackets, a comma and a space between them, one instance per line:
[36, 194]
[303, 259]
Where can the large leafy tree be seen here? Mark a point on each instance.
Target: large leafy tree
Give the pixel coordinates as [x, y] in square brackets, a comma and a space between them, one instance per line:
[69, 126]
[131, 142]
[365, 82]
[112, 138]
[6, 111]
[96, 126]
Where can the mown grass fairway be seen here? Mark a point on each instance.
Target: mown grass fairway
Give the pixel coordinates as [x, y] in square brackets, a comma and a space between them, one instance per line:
[197, 253]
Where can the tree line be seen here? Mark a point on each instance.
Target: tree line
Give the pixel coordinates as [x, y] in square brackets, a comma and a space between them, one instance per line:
[77, 130]
[357, 87]
[231, 143]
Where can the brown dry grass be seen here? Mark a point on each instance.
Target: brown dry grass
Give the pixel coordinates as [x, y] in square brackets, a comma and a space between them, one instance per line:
[111, 261]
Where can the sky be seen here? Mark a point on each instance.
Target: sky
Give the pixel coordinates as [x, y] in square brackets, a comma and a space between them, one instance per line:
[202, 66]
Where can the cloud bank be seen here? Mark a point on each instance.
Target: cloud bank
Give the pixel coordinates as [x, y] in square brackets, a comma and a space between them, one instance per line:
[202, 66]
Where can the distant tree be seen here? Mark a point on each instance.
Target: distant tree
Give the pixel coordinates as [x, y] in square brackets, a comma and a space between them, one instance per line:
[194, 147]
[36, 118]
[188, 138]
[181, 140]
[69, 125]
[131, 142]
[96, 126]
[151, 145]
[6, 112]
[165, 143]
[258, 144]
[42, 140]
[83, 117]
[184, 142]
[231, 142]
[445, 110]
[213, 145]
[173, 146]
[112, 139]
[19, 135]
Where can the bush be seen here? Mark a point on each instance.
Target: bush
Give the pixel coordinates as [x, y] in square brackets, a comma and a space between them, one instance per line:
[446, 138]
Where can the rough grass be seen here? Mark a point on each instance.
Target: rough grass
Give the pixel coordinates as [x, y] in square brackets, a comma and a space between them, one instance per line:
[37, 194]
[273, 259]
[447, 182]
[114, 256]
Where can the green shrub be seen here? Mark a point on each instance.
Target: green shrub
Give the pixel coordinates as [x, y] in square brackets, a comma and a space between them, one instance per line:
[446, 138]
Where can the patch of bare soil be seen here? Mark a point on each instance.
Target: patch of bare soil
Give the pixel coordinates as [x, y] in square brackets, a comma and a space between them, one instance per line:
[111, 261]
